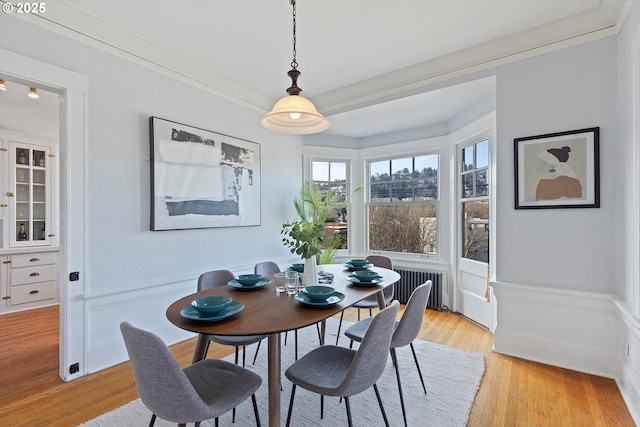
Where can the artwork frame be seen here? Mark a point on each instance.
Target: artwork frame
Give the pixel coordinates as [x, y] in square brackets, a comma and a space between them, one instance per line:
[201, 178]
[558, 170]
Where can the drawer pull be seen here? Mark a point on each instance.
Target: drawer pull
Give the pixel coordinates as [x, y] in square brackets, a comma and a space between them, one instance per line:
[34, 292]
[6, 298]
[34, 260]
[34, 274]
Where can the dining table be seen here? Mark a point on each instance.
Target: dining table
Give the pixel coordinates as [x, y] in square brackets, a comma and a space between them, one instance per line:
[269, 312]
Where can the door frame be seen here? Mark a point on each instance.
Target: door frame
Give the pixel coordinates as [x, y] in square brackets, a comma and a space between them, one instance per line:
[488, 131]
[72, 229]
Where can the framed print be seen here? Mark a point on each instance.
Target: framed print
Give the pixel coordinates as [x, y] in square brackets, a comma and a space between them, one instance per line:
[558, 170]
[202, 179]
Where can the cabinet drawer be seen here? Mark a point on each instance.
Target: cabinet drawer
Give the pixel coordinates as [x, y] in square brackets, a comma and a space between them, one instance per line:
[26, 275]
[28, 260]
[31, 293]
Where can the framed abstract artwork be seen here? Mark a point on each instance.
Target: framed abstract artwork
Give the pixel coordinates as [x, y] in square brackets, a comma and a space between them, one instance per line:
[202, 179]
[558, 170]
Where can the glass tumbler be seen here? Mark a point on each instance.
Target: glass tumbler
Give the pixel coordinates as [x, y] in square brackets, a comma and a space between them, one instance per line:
[291, 282]
[280, 288]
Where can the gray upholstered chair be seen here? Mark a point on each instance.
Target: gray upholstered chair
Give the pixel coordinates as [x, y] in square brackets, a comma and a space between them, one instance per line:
[213, 279]
[406, 331]
[342, 372]
[199, 392]
[371, 302]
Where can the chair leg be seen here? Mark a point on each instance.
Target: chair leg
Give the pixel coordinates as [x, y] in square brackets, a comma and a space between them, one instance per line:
[319, 333]
[255, 409]
[244, 356]
[296, 344]
[370, 312]
[384, 414]
[348, 406]
[255, 356]
[293, 393]
[321, 406]
[153, 420]
[197, 424]
[413, 350]
[285, 337]
[339, 327]
[217, 422]
[395, 363]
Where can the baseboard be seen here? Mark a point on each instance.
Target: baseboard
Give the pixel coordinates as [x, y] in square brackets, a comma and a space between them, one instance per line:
[565, 328]
[628, 378]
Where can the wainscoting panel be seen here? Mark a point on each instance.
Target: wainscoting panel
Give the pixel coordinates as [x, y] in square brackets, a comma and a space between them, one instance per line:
[628, 378]
[570, 329]
[143, 306]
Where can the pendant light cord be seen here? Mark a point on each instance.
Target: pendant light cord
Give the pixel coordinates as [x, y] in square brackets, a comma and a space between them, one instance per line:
[294, 63]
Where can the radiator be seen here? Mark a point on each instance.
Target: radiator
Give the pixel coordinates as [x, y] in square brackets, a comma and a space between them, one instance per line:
[411, 279]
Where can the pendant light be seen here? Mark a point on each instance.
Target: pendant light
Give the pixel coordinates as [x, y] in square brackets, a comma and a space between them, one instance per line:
[33, 93]
[294, 114]
[2, 86]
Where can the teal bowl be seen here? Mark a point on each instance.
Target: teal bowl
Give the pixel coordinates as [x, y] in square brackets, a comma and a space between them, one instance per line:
[249, 279]
[318, 292]
[297, 267]
[212, 304]
[358, 262]
[366, 275]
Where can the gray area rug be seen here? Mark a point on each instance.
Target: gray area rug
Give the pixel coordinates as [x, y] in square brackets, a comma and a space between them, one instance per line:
[452, 378]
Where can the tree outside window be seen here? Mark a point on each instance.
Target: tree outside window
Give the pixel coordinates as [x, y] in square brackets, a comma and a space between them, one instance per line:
[403, 205]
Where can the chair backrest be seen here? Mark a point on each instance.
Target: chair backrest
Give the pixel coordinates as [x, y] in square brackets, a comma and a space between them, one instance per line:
[380, 261]
[162, 385]
[409, 325]
[266, 268]
[371, 358]
[213, 279]
[384, 262]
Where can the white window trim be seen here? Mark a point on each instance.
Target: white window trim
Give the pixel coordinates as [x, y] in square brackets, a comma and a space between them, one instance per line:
[437, 201]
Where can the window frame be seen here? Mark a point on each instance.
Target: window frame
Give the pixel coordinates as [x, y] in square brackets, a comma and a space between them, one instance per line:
[436, 201]
[349, 190]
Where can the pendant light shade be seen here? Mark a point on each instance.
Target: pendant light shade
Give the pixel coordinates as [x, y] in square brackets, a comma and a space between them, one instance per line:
[33, 93]
[294, 114]
[2, 85]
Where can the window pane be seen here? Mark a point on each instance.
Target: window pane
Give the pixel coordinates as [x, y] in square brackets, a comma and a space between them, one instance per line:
[401, 168]
[338, 171]
[380, 171]
[482, 154]
[482, 185]
[403, 228]
[426, 166]
[380, 192]
[476, 230]
[401, 191]
[467, 185]
[467, 158]
[320, 171]
[425, 189]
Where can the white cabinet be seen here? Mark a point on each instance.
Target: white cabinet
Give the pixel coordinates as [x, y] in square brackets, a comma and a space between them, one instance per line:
[29, 281]
[29, 191]
[29, 221]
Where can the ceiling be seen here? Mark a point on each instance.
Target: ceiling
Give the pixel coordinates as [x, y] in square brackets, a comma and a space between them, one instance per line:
[369, 66]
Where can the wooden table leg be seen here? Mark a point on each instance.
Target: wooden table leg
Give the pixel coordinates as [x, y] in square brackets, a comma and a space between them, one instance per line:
[274, 377]
[201, 348]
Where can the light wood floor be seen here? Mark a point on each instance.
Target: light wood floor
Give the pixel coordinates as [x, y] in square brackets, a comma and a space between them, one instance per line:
[513, 392]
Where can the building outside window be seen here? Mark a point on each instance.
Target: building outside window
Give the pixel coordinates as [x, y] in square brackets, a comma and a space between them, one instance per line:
[403, 205]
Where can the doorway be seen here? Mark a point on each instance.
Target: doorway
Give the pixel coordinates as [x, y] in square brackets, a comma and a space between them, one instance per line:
[72, 87]
[474, 223]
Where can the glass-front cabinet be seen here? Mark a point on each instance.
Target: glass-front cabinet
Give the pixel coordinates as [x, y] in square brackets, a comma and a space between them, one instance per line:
[31, 201]
[29, 192]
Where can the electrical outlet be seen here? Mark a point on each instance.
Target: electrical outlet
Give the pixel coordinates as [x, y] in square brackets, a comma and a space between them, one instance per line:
[625, 348]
